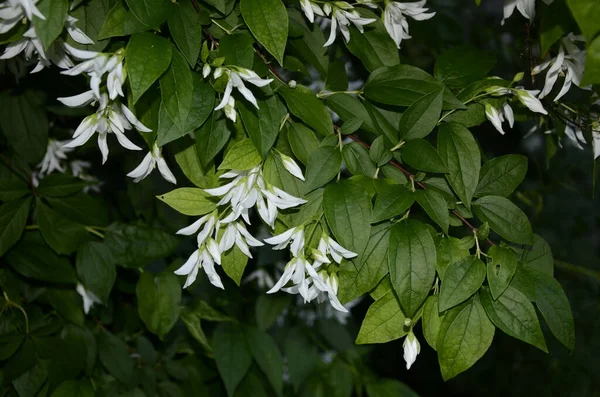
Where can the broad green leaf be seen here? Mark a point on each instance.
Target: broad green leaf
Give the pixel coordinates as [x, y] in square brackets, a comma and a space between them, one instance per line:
[462, 65]
[96, 269]
[234, 263]
[206, 312]
[465, 335]
[185, 26]
[393, 201]
[32, 258]
[337, 79]
[60, 185]
[13, 189]
[501, 176]
[120, 22]
[515, 315]
[524, 282]
[591, 74]
[389, 388]
[150, 12]
[304, 104]
[324, 165]
[82, 208]
[275, 173]
[212, 137]
[431, 321]
[357, 159]
[460, 152]
[302, 356]
[267, 356]
[232, 354]
[379, 153]
[462, 279]
[308, 44]
[262, 124]
[472, 116]
[74, 388]
[237, 49]
[269, 308]
[587, 14]
[186, 155]
[383, 125]
[13, 218]
[9, 344]
[505, 218]
[554, 305]
[176, 88]
[137, 245]
[268, 22]
[554, 23]
[25, 125]
[419, 154]
[148, 56]
[422, 116]
[383, 322]
[241, 157]
[539, 257]
[24, 359]
[375, 48]
[114, 355]
[448, 251]
[501, 267]
[62, 234]
[411, 262]
[348, 107]
[193, 324]
[55, 12]
[302, 141]
[189, 201]
[347, 208]
[159, 299]
[68, 303]
[435, 206]
[478, 87]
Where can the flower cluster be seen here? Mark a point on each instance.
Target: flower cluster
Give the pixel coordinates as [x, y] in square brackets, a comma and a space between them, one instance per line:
[505, 113]
[394, 18]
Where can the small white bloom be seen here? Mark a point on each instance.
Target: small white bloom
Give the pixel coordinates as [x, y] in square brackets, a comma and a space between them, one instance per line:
[291, 166]
[54, 158]
[236, 78]
[525, 7]
[295, 236]
[343, 14]
[310, 9]
[89, 299]
[412, 348]
[497, 117]
[76, 34]
[201, 258]
[230, 110]
[150, 161]
[205, 70]
[529, 99]
[394, 18]
[575, 135]
[294, 271]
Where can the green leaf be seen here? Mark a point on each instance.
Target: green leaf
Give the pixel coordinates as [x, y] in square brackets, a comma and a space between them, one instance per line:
[212, 137]
[539, 257]
[262, 124]
[49, 29]
[587, 14]
[462, 279]
[411, 262]
[505, 218]
[383, 322]
[32, 258]
[419, 154]
[347, 208]
[185, 26]
[13, 218]
[422, 116]
[357, 159]
[231, 354]
[431, 321]
[267, 356]
[389, 388]
[462, 65]
[13, 189]
[375, 48]
[120, 22]
[268, 22]
[348, 107]
[62, 234]
[241, 157]
[275, 173]
[150, 12]
[148, 56]
[308, 46]
[324, 165]
[435, 206]
[393, 201]
[193, 324]
[96, 269]
[74, 388]
[189, 201]
[501, 176]
[68, 303]
[60, 185]
[304, 104]
[114, 355]
[302, 356]
[554, 305]
[24, 124]
[237, 48]
[591, 74]
[448, 251]
[302, 141]
[81, 208]
[472, 116]
[379, 153]
[137, 245]
[460, 152]
[554, 23]
[186, 155]
[159, 299]
[501, 267]
[337, 79]
[234, 263]
[465, 335]
[269, 308]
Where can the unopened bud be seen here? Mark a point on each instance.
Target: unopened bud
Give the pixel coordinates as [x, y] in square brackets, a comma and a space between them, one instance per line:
[292, 83]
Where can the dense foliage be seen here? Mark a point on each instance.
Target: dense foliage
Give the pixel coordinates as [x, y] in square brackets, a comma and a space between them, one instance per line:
[315, 173]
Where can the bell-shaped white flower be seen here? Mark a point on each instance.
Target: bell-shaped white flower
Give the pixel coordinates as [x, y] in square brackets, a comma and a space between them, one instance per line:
[295, 236]
[54, 158]
[236, 233]
[327, 286]
[525, 7]
[394, 18]
[498, 116]
[291, 166]
[529, 99]
[150, 161]
[204, 257]
[236, 78]
[76, 34]
[412, 348]
[342, 15]
[89, 299]
[294, 271]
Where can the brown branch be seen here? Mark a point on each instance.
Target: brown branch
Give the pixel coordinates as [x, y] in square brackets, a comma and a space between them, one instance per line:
[409, 174]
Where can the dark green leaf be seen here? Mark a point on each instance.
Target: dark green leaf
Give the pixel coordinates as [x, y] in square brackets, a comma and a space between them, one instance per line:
[13, 190]
[505, 218]
[587, 14]
[419, 154]
[389, 388]
[431, 321]
[324, 165]
[68, 303]
[150, 12]
[234, 263]
[422, 116]
[13, 218]
[62, 234]
[96, 269]
[47, 30]
[501, 267]
[337, 79]
[237, 49]
[114, 355]
[267, 356]
[459, 66]
[348, 107]
[304, 104]
[501, 176]
[262, 124]
[231, 354]
[159, 298]
[185, 26]
[393, 201]
[539, 257]
[120, 22]
[383, 322]
[357, 159]
[269, 308]
[449, 250]
[462, 279]
[302, 141]
[435, 206]
[302, 356]
[268, 22]
[148, 56]
[212, 137]
[379, 153]
[60, 185]
[275, 173]
[74, 388]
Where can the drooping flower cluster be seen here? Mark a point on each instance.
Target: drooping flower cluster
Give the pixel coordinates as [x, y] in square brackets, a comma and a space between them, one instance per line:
[394, 18]
[152, 160]
[525, 7]
[505, 113]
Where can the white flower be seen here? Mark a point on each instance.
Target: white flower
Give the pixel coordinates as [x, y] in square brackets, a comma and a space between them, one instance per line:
[525, 7]
[262, 277]
[343, 14]
[230, 109]
[497, 117]
[596, 143]
[236, 233]
[13, 11]
[89, 299]
[294, 271]
[575, 135]
[569, 63]
[236, 78]
[412, 348]
[328, 246]
[291, 166]
[394, 18]
[249, 189]
[204, 257]
[295, 236]
[54, 158]
[310, 9]
[150, 161]
[111, 117]
[205, 70]
[529, 99]
[327, 286]
[76, 34]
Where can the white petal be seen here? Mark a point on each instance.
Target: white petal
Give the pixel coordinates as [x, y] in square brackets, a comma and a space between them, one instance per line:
[133, 120]
[103, 145]
[125, 142]
[332, 32]
[194, 227]
[143, 169]
[189, 265]
[164, 170]
[78, 100]
[281, 238]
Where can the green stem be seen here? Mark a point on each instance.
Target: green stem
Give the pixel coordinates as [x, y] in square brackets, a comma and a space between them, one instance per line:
[93, 231]
[330, 93]
[577, 269]
[16, 305]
